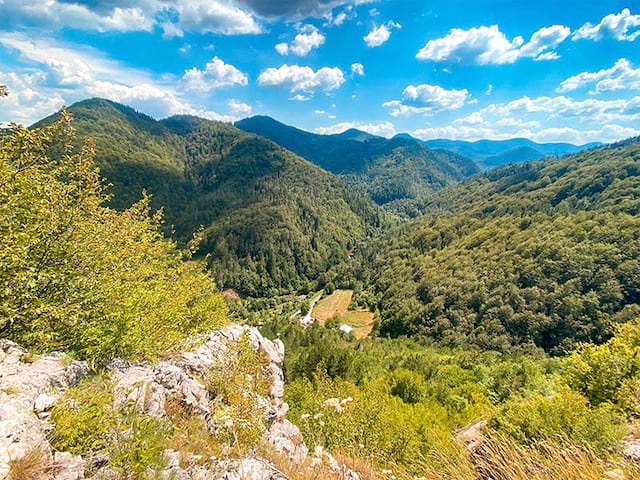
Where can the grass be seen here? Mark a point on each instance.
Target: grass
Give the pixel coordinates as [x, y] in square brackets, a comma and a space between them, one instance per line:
[361, 321]
[33, 466]
[501, 458]
[335, 304]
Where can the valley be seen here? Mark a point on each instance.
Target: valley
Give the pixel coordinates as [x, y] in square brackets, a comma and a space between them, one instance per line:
[506, 303]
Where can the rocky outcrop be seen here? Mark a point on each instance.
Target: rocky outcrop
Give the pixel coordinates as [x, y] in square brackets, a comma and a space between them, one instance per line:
[30, 385]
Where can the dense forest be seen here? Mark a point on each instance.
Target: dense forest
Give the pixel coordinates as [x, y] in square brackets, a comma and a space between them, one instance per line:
[386, 170]
[538, 255]
[270, 220]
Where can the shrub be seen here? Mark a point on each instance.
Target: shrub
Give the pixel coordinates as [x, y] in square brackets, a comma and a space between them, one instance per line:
[566, 414]
[601, 371]
[238, 385]
[86, 423]
[75, 275]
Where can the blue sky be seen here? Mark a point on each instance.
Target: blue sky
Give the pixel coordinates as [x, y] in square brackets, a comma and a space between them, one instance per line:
[468, 69]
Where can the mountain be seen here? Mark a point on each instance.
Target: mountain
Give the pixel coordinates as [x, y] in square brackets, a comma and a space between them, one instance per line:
[602, 178]
[386, 170]
[272, 221]
[494, 153]
[542, 254]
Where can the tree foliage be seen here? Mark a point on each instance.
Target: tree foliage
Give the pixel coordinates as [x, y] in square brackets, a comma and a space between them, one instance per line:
[272, 222]
[77, 275]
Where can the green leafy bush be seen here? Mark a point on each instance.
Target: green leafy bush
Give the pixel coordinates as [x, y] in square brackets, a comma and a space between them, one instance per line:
[75, 275]
[566, 414]
[237, 386]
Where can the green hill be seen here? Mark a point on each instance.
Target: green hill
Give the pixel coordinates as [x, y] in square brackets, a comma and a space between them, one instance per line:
[544, 254]
[603, 178]
[386, 170]
[272, 221]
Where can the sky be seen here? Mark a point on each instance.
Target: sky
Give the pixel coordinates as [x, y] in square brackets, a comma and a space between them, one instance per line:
[561, 70]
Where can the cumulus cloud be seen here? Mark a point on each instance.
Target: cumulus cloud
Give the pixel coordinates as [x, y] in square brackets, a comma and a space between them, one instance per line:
[173, 17]
[621, 76]
[57, 14]
[558, 118]
[216, 74]
[379, 35]
[488, 45]
[385, 129]
[305, 41]
[52, 73]
[357, 69]
[621, 26]
[543, 40]
[215, 16]
[606, 134]
[426, 99]
[239, 108]
[297, 78]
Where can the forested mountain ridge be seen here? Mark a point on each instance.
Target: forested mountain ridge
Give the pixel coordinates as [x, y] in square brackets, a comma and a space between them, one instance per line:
[272, 221]
[600, 178]
[386, 170]
[543, 254]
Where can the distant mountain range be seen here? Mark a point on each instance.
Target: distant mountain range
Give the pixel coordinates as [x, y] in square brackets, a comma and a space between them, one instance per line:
[385, 169]
[494, 153]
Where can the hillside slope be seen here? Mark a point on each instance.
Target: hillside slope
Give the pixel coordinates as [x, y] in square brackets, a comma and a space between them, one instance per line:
[272, 221]
[543, 254]
[386, 170]
[603, 178]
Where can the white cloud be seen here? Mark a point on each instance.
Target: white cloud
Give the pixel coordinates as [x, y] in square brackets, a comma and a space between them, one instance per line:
[385, 129]
[215, 16]
[57, 14]
[545, 119]
[27, 101]
[379, 35]
[543, 40]
[489, 89]
[621, 76]
[339, 19]
[621, 26]
[357, 69]
[606, 134]
[297, 78]
[488, 45]
[426, 99]
[319, 112]
[200, 16]
[238, 107]
[305, 41]
[54, 73]
[472, 119]
[300, 98]
[216, 74]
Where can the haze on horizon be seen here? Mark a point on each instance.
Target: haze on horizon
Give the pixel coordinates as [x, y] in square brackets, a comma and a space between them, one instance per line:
[468, 70]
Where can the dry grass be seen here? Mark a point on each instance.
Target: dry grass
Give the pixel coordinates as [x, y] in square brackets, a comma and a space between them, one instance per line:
[335, 304]
[35, 465]
[361, 321]
[296, 471]
[503, 459]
